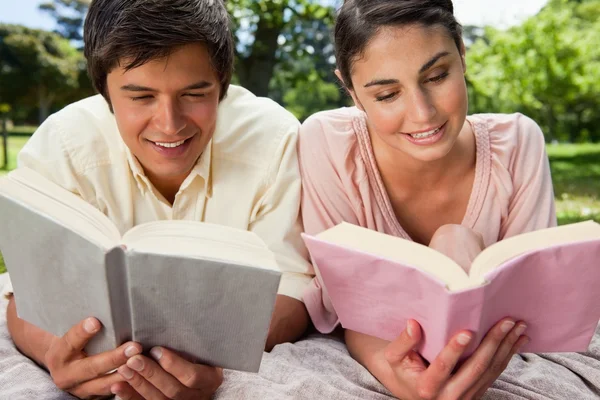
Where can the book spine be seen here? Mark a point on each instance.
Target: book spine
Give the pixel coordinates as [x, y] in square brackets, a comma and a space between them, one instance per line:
[118, 284]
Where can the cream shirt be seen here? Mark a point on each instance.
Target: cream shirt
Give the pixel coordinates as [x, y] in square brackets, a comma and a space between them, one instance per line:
[247, 178]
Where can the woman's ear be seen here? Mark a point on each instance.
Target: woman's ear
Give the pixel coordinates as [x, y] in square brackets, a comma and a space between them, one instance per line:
[463, 52]
[350, 91]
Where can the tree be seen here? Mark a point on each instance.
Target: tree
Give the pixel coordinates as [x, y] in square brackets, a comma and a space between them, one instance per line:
[547, 68]
[69, 16]
[263, 26]
[280, 44]
[36, 67]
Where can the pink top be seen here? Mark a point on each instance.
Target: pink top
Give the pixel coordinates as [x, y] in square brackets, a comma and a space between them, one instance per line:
[512, 192]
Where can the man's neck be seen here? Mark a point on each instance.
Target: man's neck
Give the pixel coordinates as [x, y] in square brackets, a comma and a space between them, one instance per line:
[168, 188]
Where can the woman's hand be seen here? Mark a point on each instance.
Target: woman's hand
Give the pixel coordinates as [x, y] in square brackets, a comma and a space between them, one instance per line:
[439, 380]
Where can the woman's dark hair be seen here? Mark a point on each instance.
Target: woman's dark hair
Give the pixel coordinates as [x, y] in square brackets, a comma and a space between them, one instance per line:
[359, 21]
[139, 31]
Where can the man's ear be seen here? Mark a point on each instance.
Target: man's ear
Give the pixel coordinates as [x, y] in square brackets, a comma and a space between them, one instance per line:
[350, 91]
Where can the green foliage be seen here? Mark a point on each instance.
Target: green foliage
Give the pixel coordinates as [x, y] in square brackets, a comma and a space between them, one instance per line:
[311, 95]
[284, 51]
[36, 68]
[69, 16]
[547, 68]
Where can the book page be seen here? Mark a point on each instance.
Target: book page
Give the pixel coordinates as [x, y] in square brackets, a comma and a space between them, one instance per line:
[399, 250]
[201, 240]
[507, 249]
[31, 189]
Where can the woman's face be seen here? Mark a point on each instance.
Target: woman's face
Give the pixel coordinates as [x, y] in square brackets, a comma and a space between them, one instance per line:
[410, 82]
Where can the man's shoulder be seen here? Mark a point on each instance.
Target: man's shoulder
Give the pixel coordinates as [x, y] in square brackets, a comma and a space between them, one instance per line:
[250, 127]
[258, 114]
[84, 131]
[92, 109]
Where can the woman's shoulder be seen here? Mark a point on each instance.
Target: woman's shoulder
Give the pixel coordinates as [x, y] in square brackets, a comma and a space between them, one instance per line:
[331, 126]
[330, 135]
[512, 137]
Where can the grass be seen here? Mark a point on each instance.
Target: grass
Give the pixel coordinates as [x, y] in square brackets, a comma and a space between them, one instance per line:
[575, 175]
[15, 143]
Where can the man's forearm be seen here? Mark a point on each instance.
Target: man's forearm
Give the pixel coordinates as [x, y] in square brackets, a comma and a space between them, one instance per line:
[289, 321]
[29, 339]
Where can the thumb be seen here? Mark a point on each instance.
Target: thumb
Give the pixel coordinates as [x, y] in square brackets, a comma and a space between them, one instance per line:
[405, 343]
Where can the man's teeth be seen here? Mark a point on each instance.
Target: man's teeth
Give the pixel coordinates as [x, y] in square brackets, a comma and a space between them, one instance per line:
[170, 145]
[425, 134]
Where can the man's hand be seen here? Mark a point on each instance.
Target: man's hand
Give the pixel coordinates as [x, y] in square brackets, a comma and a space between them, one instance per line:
[167, 376]
[81, 375]
[71, 369]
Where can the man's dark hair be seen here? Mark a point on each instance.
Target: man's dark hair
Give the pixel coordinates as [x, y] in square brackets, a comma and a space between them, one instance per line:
[135, 32]
[360, 20]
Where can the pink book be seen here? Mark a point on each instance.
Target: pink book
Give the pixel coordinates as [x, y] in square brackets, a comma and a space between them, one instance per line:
[548, 278]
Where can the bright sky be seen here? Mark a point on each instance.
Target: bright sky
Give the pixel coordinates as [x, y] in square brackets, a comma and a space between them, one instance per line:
[469, 12]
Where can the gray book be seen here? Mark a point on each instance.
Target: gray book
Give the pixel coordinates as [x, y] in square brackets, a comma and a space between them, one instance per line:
[205, 290]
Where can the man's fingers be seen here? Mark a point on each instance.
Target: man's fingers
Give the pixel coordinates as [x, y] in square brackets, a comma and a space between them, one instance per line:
[140, 368]
[79, 335]
[194, 376]
[438, 373]
[405, 343]
[124, 391]
[100, 364]
[97, 387]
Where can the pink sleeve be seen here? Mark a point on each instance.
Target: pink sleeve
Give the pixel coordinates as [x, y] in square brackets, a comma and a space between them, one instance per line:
[532, 204]
[325, 203]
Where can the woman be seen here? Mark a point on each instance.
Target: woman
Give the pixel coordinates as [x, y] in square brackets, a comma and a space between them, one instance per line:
[408, 161]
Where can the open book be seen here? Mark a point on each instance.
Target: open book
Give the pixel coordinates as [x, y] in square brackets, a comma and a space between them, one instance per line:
[548, 278]
[205, 290]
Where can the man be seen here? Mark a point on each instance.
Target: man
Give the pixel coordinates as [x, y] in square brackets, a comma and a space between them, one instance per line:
[168, 138]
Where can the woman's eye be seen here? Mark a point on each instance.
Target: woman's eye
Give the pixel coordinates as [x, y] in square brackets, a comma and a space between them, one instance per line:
[438, 78]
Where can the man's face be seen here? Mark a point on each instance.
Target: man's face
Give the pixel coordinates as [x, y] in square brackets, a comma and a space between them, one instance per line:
[166, 111]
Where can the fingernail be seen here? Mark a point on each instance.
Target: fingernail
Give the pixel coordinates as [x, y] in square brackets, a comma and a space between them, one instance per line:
[156, 353]
[522, 345]
[520, 329]
[507, 326]
[90, 325]
[126, 372]
[131, 351]
[463, 339]
[409, 329]
[135, 363]
[114, 389]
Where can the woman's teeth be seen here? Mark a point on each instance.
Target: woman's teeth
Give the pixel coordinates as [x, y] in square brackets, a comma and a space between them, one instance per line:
[170, 145]
[423, 135]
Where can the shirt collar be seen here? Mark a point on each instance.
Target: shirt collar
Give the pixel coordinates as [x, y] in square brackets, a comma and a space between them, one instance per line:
[202, 170]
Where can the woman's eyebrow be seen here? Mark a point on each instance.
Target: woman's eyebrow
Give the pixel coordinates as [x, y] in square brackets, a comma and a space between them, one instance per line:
[433, 60]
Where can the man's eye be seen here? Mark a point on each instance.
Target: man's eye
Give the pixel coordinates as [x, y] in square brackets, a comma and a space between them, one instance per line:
[386, 97]
[195, 94]
[141, 97]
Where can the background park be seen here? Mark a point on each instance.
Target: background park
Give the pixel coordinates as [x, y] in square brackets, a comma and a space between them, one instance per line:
[546, 66]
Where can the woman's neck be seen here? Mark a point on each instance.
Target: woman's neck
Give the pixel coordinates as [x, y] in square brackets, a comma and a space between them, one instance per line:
[401, 170]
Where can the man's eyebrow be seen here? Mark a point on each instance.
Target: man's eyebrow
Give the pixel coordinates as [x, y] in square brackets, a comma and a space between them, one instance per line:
[433, 60]
[138, 88]
[199, 85]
